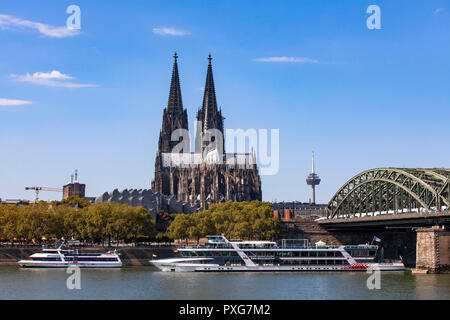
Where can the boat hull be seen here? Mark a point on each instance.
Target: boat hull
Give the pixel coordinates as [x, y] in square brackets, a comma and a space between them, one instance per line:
[190, 267]
[38, 264]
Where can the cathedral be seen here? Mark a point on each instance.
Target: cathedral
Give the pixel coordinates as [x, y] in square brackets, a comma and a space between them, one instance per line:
[209, 174]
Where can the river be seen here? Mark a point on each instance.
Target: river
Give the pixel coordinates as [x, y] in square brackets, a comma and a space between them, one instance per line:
[148, 283]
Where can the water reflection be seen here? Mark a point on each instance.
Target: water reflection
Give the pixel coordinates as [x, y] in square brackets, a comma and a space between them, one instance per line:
[147, 283]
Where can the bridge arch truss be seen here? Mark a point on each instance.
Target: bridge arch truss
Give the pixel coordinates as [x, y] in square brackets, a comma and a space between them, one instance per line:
[392, 191]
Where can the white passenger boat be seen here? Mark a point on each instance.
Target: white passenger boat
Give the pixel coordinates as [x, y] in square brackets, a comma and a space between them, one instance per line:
[63, 257]
[219, 254]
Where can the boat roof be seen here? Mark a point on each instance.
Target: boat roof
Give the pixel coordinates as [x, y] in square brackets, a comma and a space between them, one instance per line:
[254, 242]
[172, 260]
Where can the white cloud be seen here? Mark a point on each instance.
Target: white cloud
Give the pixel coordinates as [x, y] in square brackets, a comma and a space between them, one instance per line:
[438, 10]
[53, 78]
[170, 31]
[55, 74]
[286, 59]
[13, 102]
[7, 21]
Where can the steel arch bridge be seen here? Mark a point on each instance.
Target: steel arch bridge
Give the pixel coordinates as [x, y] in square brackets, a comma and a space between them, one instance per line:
[392, 191]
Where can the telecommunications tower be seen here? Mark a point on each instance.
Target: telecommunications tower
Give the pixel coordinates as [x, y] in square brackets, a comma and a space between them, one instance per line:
[313, 180]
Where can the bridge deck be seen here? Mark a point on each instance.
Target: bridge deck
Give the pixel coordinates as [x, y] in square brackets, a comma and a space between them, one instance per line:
[404, 219]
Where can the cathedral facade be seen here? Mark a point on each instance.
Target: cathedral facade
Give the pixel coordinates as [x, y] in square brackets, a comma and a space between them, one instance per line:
[209, 174]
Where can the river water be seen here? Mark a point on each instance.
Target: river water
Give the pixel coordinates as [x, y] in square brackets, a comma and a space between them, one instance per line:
[148, 283]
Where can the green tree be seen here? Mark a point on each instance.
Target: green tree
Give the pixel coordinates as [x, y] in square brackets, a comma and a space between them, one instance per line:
[243, 220]
[97, 221]
[77, 202]
[179, 228]
[9, 217]
[139, 223]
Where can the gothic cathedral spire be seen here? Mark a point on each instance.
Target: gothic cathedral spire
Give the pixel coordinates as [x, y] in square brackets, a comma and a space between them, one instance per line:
[175, 104]
[174, 116]
[209, 116]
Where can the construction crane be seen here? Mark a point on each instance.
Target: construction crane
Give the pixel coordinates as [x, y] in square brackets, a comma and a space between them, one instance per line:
[37, 189]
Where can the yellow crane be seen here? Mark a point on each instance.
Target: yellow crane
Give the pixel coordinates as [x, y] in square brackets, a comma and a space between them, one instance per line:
[37, 189]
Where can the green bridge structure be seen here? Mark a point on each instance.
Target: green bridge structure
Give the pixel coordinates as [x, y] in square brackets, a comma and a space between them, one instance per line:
[409, 206]
[392, 191]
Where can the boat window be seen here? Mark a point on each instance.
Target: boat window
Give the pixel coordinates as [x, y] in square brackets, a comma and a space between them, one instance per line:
[360, 253]
[47, 259]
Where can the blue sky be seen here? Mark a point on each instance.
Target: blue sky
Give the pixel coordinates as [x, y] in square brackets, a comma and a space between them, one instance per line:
[360, 98]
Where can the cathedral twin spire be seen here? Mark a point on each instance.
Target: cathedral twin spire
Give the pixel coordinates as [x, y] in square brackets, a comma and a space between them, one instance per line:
[200, 185]
[175, 116]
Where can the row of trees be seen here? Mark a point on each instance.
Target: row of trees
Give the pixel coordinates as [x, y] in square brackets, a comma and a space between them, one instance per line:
[75, 219]
[237, 220]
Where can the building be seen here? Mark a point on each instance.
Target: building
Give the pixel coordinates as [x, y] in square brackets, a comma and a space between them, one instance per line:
[295, 209]
[153, 202]
[17, 202]
[74, 188]
[208, 175]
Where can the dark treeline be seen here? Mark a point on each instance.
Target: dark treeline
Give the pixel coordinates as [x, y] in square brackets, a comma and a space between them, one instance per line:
[75, 219]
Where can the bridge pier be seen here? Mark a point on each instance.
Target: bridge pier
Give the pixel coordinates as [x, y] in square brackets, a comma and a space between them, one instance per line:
[433, 250]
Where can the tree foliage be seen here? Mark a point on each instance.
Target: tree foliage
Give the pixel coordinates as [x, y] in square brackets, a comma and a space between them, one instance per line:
[237, 220]
[76, 202]
[83, 222]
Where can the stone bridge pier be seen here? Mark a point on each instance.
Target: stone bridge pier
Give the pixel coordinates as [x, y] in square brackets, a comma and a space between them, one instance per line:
[433, 250]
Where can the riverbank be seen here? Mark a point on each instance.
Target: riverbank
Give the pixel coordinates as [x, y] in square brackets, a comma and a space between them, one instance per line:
[130, 256]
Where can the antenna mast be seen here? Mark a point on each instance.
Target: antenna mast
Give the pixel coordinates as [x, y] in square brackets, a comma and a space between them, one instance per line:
[313, 180]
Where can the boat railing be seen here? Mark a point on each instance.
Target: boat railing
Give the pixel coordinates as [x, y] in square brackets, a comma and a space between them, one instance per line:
[311, 247]
[270, 247]
[253, 248]
[204, 247]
